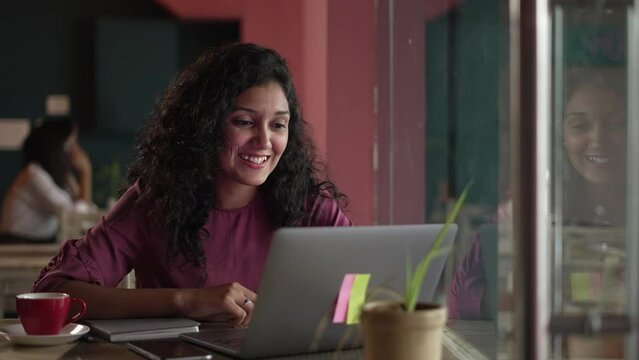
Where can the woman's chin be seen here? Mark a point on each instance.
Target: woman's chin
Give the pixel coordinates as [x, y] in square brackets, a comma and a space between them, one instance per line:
[605, 179]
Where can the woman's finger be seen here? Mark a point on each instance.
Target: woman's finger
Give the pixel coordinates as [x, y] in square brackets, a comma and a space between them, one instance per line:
[234, 308]
[250, 295]
[248, 305]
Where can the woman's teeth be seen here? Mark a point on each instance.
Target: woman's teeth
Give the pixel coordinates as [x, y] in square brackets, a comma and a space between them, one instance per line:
[599, 159]
[254, 159]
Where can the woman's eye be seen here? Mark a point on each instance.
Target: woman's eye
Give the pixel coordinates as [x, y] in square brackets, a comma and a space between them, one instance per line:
[579, 126]
[278, 126]
[242, 122]
[578, 123]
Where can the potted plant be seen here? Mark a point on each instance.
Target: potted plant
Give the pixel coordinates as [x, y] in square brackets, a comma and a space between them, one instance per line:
[406, 329]
[109, 182]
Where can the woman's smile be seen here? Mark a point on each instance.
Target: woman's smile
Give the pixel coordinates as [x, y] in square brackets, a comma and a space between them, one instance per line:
[255, 159]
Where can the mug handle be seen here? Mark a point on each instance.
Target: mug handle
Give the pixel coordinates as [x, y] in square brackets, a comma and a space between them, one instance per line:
[80, 314]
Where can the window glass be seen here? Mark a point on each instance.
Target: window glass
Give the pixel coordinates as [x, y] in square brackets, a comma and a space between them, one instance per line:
[467, 139]
[589, 175]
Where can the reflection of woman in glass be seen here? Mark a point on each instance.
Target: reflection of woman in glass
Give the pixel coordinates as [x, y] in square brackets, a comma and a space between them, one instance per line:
[594, 200]
[594, 142]
[593, 190]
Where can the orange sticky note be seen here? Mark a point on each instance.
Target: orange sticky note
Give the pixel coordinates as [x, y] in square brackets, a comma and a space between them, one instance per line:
[358, 295]
[341, 306]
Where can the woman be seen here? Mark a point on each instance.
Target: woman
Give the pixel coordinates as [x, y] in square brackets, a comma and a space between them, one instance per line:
[594, 142]
[593, 188]
[223, 161]
[56, 177]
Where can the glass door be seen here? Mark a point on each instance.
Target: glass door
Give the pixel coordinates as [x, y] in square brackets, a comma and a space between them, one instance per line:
[589, 230]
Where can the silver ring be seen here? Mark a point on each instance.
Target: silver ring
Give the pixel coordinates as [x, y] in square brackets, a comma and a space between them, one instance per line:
[246, 301]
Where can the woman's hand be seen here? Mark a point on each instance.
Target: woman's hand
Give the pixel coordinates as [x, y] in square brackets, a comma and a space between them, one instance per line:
[78, 158]
[81, 165]
[209, 303]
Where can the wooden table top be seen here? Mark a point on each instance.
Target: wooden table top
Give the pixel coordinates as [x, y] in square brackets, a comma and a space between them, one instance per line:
[93, 348]
[26, 256]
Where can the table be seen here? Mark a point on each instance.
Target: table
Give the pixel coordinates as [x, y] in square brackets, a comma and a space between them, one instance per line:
[475, 340]
[99, 349]
[20, 265]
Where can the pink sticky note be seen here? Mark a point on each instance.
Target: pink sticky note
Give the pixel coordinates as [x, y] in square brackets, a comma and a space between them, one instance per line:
[596, 285]
[341, 306]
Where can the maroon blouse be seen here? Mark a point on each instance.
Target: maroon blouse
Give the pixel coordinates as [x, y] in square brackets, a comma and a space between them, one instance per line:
[466, 296]
[128, 238]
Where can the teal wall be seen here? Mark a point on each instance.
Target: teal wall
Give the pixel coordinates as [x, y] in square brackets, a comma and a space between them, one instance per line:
[47, 47]
[466, 56]
[135, 60]
[54, 47]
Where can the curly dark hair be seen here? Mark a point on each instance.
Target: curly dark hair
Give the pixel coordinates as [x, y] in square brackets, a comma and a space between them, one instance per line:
[176, 161]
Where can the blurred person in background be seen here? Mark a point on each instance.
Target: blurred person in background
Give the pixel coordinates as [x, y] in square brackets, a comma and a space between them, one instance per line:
[56, 176]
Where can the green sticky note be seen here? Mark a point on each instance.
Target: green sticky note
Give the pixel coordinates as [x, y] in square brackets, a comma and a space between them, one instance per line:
[358, 295]
[580, 286]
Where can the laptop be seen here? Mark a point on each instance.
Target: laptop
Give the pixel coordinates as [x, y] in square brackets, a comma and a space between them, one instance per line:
[302, 278]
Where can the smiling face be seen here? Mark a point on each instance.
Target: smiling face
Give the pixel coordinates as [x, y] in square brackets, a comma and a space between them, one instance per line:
[595, 134]
[256, 135]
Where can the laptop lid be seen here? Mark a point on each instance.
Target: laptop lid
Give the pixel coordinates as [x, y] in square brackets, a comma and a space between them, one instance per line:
[304, 272]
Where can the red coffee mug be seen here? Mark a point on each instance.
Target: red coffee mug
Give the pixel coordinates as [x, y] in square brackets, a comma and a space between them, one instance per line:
[46, 313]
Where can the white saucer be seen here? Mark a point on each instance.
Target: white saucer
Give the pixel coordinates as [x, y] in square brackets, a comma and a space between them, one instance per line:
[69, 332]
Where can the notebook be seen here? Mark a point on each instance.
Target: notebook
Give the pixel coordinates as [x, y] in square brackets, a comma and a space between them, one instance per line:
[302, 278]
[116, 330]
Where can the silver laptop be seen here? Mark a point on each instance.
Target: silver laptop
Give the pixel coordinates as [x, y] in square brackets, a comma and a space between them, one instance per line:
[302, 278]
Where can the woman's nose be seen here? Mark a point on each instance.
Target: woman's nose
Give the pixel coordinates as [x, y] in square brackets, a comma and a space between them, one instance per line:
[598, 136]
[262, 137]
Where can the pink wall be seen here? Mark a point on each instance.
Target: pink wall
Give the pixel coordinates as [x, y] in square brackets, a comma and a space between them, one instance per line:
[315, 62]
[352, 121]
[401, 180]
[408, 114]
[277, 24]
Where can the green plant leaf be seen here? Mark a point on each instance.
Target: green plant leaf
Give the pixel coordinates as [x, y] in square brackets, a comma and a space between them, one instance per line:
[409, 277]
[416, 279]
[383, 290]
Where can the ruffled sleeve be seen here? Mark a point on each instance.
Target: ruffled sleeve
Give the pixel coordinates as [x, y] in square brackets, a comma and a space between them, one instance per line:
[104, 255]
[466, 293]
[325, 211]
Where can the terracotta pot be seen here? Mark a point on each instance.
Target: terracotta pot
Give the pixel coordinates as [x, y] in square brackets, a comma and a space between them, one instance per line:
[391, 333]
